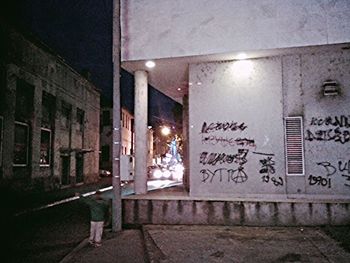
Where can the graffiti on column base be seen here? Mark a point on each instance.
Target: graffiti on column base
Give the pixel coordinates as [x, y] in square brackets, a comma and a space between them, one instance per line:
[320, 180]
[224, 175]
[337, 135]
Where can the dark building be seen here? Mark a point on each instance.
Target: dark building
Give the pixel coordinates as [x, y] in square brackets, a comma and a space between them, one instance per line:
[49, 117]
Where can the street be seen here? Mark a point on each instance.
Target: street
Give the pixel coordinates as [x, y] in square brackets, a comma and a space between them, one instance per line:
[47, 235]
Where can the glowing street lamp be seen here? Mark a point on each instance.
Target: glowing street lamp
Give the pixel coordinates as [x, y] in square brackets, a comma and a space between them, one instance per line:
[165, 131]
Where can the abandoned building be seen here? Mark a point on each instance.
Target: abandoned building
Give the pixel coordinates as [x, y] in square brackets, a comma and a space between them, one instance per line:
[49, 118]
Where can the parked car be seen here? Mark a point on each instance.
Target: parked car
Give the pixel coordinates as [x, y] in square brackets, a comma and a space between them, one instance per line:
[105, 173]
[166, 172]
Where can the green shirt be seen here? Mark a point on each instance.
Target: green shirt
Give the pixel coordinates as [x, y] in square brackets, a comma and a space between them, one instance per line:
[98, 208]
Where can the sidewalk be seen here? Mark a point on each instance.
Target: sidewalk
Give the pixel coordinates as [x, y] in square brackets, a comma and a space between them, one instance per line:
[190, 244]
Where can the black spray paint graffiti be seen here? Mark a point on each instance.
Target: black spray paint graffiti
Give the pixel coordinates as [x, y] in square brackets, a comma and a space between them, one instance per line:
[222, 126]
[326, 180]
[221, 158]
[232, 175]
[268, 170]
[338, 134]
[225, 141]
[336, 121]
[237, 175]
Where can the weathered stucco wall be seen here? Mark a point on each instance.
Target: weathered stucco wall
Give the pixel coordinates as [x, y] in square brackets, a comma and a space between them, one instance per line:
[236, 127]
[35, 64]
[326, 119]
[188, 28]
[236, 120]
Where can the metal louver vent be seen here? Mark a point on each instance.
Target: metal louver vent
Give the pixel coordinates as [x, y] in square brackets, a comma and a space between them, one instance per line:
[294, 145]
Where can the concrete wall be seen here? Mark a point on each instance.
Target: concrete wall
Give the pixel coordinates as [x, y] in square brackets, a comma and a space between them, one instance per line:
[236, 112]
[327, 143]
[193, 27]
[225, 212]
[236, 122]
[37, 65]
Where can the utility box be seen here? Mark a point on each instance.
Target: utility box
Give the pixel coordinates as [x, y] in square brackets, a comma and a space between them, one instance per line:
[126, 167]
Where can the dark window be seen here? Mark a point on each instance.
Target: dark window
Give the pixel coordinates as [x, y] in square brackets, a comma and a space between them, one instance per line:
[45, 147]
[66, 114]
[48, 110]
[24, 101]
[21, 144]
[105, 153]
[80, 119]
[79, 162]
[106, 117]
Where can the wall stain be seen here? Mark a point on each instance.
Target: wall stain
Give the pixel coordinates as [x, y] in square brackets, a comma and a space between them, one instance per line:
[241, 213]
[179, 206]
[226, 213]
[149, 211]
[294, 221]
[136, 212]
[164, 208]
[194, 208]
[329, 213]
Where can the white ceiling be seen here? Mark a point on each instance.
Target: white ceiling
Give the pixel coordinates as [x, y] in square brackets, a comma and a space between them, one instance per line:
[170, 75]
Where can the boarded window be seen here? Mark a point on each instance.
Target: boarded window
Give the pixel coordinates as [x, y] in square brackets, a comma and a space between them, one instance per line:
[294, 145]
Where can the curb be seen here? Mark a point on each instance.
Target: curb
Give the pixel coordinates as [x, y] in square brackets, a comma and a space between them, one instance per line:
[71, 254]
[153, 253]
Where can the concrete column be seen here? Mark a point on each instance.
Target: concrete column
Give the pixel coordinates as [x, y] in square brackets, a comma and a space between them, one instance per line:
[141, 101]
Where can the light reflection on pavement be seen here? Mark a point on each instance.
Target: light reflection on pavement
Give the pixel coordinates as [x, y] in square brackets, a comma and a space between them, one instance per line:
[126, 189]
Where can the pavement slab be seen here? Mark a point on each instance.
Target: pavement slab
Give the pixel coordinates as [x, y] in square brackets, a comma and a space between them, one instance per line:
[241, 244]
[126, 246]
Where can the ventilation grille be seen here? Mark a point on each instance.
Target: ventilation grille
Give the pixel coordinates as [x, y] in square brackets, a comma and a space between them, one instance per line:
[294, 145]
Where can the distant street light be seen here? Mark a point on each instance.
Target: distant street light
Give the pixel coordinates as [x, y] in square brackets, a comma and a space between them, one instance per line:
[165, 131]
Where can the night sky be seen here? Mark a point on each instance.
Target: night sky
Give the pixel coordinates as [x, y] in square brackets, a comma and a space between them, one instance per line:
[80, 31]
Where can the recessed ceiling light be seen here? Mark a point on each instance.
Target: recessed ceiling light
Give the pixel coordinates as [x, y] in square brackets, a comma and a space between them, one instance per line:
[178, 89]
[199, 83]
[150, 64]
[241, 56]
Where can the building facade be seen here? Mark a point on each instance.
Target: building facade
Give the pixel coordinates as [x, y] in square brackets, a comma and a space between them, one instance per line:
[49, 118]
[265, 87]
[127, 135]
